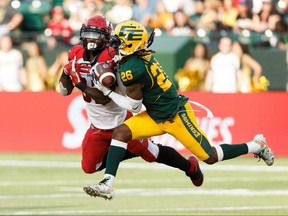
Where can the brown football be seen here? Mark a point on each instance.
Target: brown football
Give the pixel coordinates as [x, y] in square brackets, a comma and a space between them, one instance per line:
[105, 74]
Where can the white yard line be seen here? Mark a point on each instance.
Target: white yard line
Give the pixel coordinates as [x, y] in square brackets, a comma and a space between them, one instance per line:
[70, 183]
[148, 211]
[158, 192]
[143, 165]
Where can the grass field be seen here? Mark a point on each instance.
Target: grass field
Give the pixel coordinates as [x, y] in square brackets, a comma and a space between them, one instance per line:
[51, 184]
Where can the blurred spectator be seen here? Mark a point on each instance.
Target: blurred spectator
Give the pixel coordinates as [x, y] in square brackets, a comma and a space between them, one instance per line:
[281, 28]
[55, 71]
[199, 60]
[120, 11]
[80, 10]
[282, 35]
[224, 75]
[58, 27]
[227, 15]
[143, 11]
[182, 25]
[188, 6]
[36, 67]
[244, 18]
[12, 74]
[256, 6]
[73, 8]
[192, 75]
[266, 18]
[251, 70]
[162, 18]
[209, 18]
[199, 9]
[101, 7]
[88, 9]
[10, 18]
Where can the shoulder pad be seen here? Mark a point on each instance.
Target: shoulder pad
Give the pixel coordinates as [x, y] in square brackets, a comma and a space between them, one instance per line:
[77, 51]
[106, 55]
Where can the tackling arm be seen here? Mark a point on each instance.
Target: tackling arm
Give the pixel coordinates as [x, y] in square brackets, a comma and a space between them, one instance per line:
[93, 93]
[127, 102]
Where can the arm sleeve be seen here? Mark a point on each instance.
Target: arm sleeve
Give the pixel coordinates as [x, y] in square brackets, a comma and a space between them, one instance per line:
[126, 102]
[65, 85]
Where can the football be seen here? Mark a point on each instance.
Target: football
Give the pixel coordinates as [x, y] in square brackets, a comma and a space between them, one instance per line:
[105, 74]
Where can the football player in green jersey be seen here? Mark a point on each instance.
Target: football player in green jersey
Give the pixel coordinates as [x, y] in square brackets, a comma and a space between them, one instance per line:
[166, 111]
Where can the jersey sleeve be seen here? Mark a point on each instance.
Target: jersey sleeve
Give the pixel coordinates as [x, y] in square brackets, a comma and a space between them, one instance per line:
[77, 51]
[106, 55]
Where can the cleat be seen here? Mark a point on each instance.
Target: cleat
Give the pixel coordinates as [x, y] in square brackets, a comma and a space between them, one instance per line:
[100, 190]
[265, 152]
[196, 176]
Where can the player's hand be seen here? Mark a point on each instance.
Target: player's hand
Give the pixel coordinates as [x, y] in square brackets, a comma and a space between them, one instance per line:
[106, 91]
[79, 66]
[82, 66]
[70, 70]
[75, 68]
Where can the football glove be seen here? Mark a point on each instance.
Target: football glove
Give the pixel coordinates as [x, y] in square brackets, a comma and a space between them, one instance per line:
[75, 68]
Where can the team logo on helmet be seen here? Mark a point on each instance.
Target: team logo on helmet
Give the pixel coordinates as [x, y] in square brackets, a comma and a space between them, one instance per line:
[133, 36]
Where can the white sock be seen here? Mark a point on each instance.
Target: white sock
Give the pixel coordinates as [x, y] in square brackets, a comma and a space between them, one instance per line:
[220, 152]
[110, 179]
[253, 147]
[118, 143]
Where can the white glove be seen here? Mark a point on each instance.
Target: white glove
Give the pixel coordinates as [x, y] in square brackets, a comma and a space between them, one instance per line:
[106, 91]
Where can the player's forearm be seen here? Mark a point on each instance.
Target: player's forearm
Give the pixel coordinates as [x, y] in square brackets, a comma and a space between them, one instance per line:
[65, 84]
[126, 102]
[93, 93]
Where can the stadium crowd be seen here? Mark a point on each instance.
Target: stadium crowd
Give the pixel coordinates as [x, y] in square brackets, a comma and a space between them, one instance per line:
[34, 25]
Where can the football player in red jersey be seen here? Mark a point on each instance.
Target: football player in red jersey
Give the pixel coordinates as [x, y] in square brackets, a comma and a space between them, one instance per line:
[103, 113]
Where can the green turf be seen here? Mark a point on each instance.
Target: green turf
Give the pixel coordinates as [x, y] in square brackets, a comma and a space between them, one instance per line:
[51, 184]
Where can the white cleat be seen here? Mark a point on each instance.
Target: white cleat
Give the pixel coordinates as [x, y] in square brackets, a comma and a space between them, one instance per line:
[100, 190]
[265, 152]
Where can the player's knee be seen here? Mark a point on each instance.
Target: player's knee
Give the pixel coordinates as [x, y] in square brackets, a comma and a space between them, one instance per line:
[88, 169]
[122, 133]
[213, 158]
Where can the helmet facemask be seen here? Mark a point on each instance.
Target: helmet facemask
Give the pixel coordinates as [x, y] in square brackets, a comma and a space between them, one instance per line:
[93, 39]
[95, 33]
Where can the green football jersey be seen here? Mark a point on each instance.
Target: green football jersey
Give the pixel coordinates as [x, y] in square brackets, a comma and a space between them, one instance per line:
[160, 96]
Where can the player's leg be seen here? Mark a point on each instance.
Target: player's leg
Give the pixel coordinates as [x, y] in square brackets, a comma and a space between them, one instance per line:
[121, 135]
[140, 126]
[144, 126]
[131, 129]
[95, 146]
[167, 155]
[116, 154]
[186, 129]
[144, 148]
[257, 146]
